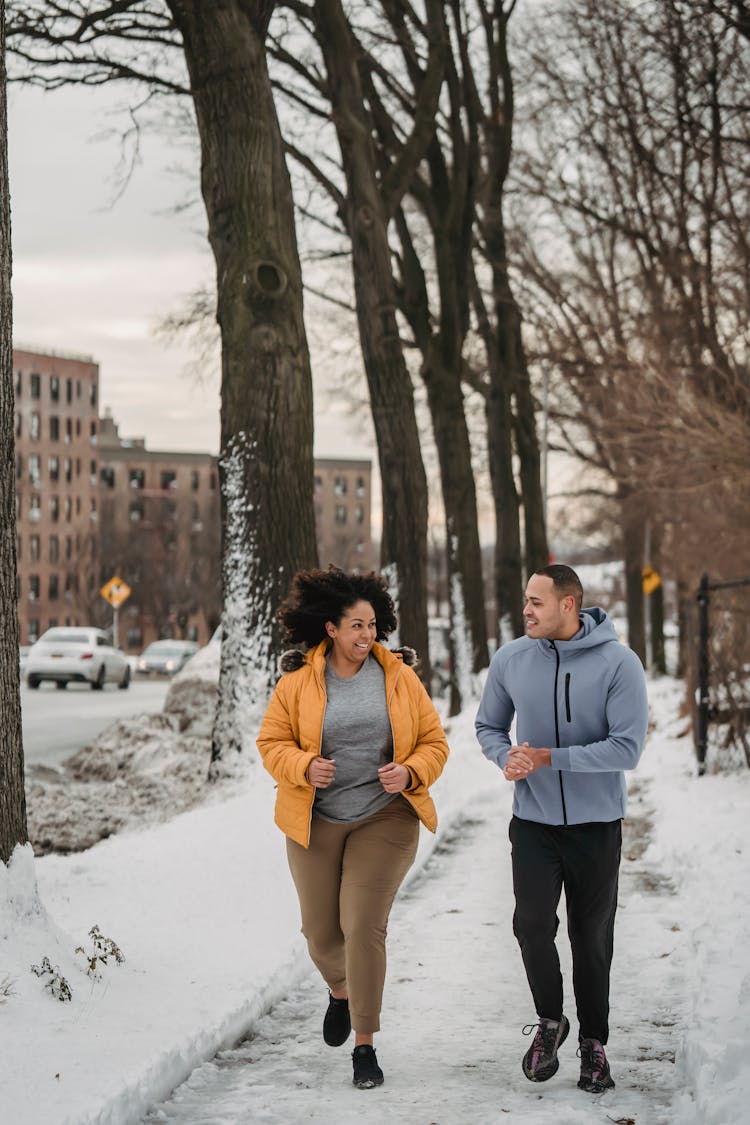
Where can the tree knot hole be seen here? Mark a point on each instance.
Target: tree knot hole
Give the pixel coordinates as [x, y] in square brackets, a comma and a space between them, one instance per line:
[270, 279]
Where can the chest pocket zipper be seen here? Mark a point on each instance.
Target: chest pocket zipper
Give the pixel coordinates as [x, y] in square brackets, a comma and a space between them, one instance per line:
[567, 697]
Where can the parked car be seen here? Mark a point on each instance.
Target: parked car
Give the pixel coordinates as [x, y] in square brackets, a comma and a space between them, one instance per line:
[165, 657]
[67, 654]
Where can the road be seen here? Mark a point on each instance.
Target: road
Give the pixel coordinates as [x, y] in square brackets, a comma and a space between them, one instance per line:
[57, 723]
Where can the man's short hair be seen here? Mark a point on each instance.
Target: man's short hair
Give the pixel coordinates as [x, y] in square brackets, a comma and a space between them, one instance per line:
[565, 581]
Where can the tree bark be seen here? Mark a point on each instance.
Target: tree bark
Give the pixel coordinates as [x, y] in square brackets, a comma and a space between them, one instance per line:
[404, 485]
[266, 387]
[441, 350]
[633, 544]
[12, 795]
[507, 371]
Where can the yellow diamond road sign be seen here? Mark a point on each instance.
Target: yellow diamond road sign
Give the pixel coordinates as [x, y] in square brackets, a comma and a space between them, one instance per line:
[651, 579]
[115, 591]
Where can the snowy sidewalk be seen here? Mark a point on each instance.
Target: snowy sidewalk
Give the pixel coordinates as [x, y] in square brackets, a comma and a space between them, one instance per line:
[204, 910]
[456, 999]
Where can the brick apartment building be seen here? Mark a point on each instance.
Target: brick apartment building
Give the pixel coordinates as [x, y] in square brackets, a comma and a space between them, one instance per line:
[57, 494]
[90, 505]
[342, 513]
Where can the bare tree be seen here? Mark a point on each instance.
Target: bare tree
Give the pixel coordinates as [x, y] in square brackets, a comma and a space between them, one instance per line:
[12, 795]
[266, 392]
[636, 174]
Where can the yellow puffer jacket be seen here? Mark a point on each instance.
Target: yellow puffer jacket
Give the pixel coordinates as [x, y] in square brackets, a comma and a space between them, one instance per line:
[292, 730]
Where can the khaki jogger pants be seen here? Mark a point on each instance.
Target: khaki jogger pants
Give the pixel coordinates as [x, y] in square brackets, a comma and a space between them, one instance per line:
[346, 882]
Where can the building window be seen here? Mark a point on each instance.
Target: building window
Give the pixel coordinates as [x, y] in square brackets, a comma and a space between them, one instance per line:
[35, 509]
[92, 509]
[68, 390]
[92, 431]
[168, 480]
[18, 505]
[68, 430]
[35, 426]
[34, 548]
[340, 515]
[359, 514]
[136, 513]
[134, 638]
[339, 486]
[19, 466]
[53, 588]
[36, 386]
[78, 505]
[107, 475]
[54, 549]
[35, 468]
[92, 473]
[92, 396]
[212, 482]
[360, 486]
[54, 428]
[78, 388]
[33, 587]
[318, 486]
[68, 469]
[54, 508]
[195, 480]
[68, 509]
[68, 547]
[19, 423]
[54, 388]
[53, 466]
[19, 383]
[33, 630]
[137, 478]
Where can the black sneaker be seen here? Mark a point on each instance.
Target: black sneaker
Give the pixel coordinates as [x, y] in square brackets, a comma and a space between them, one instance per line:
[337, 1024]
[367, 1073]
[595, 1077]
[540, 1061]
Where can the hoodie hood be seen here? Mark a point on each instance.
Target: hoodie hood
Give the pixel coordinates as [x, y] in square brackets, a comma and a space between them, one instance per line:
[596, 629]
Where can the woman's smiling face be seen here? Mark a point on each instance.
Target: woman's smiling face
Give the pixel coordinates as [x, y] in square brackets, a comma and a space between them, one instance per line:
[354, 635]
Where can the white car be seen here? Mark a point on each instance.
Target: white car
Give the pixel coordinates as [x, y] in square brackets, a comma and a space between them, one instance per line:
[68, 654]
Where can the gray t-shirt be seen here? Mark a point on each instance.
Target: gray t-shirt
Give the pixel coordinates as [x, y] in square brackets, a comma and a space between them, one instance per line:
[357, 733]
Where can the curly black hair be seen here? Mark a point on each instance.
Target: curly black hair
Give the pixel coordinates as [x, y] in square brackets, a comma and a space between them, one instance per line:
[317, 596]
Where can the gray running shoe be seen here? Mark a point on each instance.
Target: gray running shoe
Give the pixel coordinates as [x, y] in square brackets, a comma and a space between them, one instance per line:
[595, 1077]
[540, 1061]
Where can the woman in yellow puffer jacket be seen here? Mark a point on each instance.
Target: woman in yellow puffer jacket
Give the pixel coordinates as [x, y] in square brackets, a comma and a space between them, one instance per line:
[354, 742]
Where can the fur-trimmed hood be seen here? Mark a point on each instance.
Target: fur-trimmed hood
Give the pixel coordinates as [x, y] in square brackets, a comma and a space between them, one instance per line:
[293, 659]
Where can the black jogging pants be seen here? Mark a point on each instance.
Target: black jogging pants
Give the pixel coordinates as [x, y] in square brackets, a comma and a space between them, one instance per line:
[585, 860]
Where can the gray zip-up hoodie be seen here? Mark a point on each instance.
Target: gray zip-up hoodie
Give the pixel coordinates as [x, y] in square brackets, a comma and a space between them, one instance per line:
[585, 699]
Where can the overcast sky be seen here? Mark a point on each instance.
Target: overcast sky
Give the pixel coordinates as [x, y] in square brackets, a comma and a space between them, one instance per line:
[95, 277]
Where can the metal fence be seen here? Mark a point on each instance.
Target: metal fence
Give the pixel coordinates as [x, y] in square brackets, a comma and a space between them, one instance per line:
[708, 707]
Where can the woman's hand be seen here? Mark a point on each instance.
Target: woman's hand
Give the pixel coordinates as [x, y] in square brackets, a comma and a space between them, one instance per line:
[321, 772]
[394, 778]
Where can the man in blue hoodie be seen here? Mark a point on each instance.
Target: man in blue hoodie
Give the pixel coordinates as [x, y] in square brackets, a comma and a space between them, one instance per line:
[579, 698]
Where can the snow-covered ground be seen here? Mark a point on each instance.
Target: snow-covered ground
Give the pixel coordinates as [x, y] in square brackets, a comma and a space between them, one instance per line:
[203, 911]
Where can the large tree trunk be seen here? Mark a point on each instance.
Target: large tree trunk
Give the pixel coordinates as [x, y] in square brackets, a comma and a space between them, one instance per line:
[12, 796]
[508, 374]
[441, 372]
[404, 485]
[508, 554]
[266, 387]
[633, 544]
